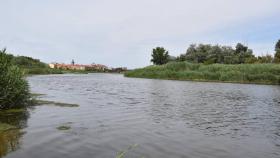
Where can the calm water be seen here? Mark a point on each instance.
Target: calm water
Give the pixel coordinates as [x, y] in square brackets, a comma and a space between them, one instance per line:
[163, 119]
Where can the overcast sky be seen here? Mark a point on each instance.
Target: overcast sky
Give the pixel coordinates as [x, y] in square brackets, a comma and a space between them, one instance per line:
[123, 32]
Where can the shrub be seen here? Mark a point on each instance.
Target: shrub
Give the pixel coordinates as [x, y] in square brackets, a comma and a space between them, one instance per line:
[14, 89]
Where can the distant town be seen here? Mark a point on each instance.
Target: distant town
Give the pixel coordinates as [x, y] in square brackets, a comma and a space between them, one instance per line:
[82, 67]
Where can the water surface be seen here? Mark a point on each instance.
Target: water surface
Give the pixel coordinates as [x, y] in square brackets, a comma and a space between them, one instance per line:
[166, 119]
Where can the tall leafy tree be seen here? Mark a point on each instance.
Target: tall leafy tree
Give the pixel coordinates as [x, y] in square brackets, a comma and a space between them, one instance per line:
[159, 56]
[277, 53]
[239, 48]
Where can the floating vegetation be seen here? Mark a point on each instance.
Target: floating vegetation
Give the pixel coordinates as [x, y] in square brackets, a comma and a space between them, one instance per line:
[37, 101]
[36, 95]
[46, 102]
[63, 128]
[6, 127]
[121, 154]
[12, 111]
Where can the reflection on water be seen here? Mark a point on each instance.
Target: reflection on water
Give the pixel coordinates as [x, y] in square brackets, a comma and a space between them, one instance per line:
[164, 118]
[10, 139]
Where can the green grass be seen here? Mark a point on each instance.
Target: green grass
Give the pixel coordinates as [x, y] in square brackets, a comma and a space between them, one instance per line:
[241, 73]
[41, 71]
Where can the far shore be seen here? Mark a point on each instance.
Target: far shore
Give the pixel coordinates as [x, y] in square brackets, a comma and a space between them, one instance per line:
[267, 74]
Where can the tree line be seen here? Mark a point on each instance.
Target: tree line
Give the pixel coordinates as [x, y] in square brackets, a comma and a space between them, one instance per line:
[211, 54]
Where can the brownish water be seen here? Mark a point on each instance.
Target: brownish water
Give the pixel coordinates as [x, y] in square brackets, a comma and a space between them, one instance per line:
[166, 119]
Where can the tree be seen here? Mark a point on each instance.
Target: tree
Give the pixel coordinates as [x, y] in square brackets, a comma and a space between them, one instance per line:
[239, 48]
[159, 56]
[265, 59]
[210, 54]
[277, 52]
[243, 53]
[277, 46]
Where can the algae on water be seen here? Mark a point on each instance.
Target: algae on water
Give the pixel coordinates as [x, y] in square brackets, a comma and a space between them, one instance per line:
[45, 102]
[63, 128]
[6, 127]
[121, 154]
[37, 101]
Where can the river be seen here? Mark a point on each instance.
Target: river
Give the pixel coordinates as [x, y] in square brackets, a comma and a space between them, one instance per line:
[150, 118]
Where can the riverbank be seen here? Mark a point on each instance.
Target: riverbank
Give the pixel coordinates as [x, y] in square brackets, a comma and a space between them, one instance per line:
[241, 73]
[49, 71]
[41, 71]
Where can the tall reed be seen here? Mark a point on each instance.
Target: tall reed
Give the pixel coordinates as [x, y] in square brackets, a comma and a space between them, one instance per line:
[14, 89]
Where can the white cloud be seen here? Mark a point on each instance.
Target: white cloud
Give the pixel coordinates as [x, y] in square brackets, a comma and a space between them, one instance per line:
[117, 32]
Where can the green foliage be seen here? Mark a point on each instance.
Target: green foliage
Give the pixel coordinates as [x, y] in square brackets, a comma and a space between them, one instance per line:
[241, 73]
[42, 71]
[277, 54]
[265, 59]
[277, 46]
[240, 48]
[31, 66]
[28, 62]
[277, 57]
[14, 90]
[159, 56]
[208, 54]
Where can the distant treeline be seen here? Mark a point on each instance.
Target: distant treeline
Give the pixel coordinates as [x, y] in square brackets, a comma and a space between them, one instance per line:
[205, 62]
[30, 65]
[210, 54]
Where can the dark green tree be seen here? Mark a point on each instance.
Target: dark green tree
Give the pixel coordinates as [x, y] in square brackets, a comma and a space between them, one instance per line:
[210, 54]
[159, 56]
[277, 52]
[243, 53]
[239, 48]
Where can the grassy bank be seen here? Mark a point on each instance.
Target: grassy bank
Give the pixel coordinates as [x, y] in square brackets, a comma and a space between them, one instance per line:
[241, 73]
[41, 71]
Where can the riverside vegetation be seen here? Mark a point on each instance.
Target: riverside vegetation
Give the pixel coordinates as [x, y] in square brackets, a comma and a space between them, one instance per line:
[213, 63]
[30, 66]
[14, 90]
[15, 96]
[14, 100]
[242, 73]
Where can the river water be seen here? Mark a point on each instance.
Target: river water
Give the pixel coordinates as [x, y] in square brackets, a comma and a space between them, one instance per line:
[150, 118]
